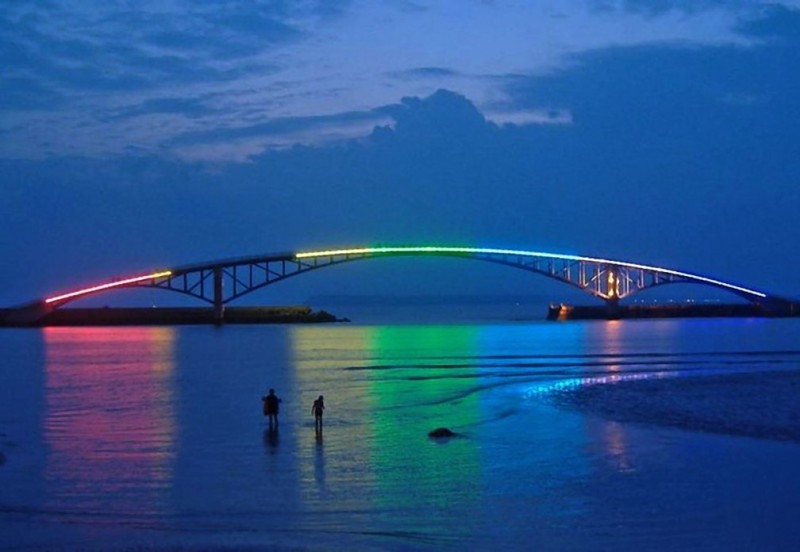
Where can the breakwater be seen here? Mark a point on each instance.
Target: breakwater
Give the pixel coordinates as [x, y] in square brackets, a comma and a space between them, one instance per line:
[678, 310]
[172, 315]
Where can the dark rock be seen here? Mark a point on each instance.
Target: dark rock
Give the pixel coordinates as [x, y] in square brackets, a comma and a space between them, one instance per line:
[441, 433]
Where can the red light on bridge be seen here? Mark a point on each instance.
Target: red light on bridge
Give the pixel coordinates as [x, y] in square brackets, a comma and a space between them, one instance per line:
[118, 283]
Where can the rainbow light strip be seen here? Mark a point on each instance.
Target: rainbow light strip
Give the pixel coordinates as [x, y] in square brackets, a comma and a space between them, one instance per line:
[110, 285]
[489, 251]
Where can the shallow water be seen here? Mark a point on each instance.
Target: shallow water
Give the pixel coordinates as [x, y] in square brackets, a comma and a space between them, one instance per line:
[154, 437]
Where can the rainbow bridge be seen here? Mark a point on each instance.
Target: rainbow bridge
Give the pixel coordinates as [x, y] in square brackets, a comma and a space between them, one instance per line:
[221, 282]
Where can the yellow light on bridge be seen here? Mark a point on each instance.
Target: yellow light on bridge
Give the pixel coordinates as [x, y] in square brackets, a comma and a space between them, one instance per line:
[612, 288]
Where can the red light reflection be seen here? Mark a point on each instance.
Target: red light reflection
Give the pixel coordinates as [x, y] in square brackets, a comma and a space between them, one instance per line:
[109, 419]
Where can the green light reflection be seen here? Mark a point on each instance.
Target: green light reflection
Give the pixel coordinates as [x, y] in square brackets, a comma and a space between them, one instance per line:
[429, 382]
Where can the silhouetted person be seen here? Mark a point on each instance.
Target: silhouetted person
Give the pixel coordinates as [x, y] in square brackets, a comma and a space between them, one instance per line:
[317, 409]
[271, 402]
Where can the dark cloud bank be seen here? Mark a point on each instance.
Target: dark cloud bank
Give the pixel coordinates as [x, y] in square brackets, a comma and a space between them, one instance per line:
[677, 156]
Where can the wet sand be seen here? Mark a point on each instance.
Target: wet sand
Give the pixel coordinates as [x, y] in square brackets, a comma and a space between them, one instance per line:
[763, 405]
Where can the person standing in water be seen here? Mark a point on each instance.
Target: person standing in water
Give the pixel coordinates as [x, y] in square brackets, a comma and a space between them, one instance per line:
[271, 402]
[317, 409]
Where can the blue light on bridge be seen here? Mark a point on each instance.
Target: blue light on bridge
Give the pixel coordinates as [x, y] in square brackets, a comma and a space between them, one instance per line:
[433, 250]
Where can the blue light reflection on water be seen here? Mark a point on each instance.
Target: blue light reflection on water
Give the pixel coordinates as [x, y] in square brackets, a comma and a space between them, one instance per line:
[155, 437]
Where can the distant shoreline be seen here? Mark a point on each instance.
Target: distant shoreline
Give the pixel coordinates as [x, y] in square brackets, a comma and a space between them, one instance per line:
[691, 310]
[176, 316]
[302, 314]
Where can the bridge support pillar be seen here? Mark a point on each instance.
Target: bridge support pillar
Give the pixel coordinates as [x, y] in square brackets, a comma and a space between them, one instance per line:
[219, 305]
[612, 293]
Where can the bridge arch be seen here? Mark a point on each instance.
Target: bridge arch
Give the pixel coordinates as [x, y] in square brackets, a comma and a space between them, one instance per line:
[223, 281]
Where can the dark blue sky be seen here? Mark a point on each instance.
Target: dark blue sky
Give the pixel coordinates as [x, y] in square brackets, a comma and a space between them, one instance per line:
[658, 132]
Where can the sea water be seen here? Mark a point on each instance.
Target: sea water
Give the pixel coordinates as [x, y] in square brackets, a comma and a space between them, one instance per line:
[634, 435]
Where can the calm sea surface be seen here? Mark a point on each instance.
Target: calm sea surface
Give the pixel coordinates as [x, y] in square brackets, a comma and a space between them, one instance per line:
[685, 436]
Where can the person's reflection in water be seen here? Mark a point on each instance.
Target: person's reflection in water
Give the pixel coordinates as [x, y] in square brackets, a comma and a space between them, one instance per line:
[319, 463]
[271, 439]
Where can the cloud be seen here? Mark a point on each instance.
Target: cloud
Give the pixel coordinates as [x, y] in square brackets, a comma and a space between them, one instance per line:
[444, 113]
[543, 116]
[425, 73]
[275, 133]
[79, 49]
[774, 21]
[26, 94]
[93, 68]
[188, 107]
[660, 7]
[89, 66]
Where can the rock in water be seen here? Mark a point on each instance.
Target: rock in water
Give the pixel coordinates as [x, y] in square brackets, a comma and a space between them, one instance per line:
[441, 433]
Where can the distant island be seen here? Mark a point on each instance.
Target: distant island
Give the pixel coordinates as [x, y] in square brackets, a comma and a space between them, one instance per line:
[680, 310]
[144, 316]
